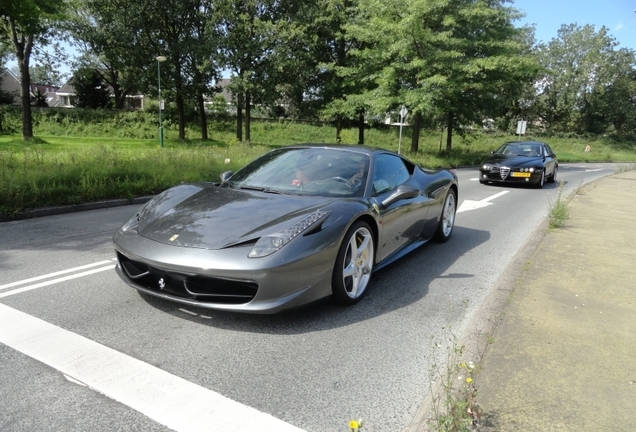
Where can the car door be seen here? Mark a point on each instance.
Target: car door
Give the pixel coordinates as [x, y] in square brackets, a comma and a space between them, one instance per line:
[402, 220]
[550, 160]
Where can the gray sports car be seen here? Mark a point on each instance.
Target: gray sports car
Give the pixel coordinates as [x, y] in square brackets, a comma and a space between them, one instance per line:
[297, 225]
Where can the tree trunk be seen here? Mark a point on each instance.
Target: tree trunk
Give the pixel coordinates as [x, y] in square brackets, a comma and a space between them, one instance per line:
[203, 120]
[23, 47]
[449, 133]
[25, 84]
[338, 129]
[361, 129]
[248, 114]
[181, 112]
[239, 117]
[415, 138]
[180, 103]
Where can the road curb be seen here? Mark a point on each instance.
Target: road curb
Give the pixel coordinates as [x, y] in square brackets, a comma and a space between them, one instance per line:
[57, 210]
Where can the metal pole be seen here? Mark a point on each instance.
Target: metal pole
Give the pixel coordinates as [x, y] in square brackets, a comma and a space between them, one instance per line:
[400, 142]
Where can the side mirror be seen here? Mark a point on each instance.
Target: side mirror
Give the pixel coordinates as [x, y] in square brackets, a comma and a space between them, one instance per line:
[402, 192]
[226, 176]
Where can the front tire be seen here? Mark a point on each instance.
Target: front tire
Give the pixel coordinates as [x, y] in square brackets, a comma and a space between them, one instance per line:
[354, 264]
[447, 218]
[541, 181]
[553, 177]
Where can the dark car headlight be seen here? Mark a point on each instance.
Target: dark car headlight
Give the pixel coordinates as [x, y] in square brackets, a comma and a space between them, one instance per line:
[486, 167]
[270, 243]
[130, 224]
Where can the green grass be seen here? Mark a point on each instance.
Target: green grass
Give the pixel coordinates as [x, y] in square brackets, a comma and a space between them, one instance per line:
[65, 164]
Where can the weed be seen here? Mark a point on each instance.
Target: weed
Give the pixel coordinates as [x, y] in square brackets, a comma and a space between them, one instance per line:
[625, 167]
[454, 408]
[559, 212]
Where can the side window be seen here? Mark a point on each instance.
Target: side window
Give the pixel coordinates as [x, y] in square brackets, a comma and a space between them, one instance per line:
[548, 150]
[389, 172]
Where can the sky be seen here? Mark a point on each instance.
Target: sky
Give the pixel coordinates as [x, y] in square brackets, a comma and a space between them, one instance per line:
[548, 16]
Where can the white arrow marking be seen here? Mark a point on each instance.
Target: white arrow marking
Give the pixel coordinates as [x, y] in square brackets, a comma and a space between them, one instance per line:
[472, 205]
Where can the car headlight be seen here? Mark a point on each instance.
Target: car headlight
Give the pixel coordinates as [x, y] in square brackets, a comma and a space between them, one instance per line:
[486, 167]
[130, 224]
[531, 170]
[269, 244]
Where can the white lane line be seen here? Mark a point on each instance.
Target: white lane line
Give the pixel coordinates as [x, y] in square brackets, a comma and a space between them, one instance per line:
[472, 205]
[497, 195]
[50, 275]
[54, 281]
[163, 397]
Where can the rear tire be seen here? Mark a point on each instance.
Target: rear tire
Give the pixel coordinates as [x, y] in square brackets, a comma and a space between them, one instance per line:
[354, 264]
[447, 218]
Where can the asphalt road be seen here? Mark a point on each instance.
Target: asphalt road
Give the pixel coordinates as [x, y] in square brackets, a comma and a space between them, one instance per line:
[313, 369]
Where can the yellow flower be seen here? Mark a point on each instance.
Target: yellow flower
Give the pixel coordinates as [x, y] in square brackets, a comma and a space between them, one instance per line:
[469, 380]
[462, 365]
[353, 425]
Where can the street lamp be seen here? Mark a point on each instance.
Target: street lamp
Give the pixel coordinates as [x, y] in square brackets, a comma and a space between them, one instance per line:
[160, 59]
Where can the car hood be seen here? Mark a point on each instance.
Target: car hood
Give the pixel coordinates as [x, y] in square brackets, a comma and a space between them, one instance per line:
[514, 161]
[216, 217]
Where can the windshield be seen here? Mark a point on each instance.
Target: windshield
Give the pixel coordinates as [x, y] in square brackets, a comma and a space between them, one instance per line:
[520, 149]
[306, 171]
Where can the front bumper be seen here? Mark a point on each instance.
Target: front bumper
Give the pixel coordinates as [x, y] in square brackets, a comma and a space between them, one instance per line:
[224, 279]
[513, 176]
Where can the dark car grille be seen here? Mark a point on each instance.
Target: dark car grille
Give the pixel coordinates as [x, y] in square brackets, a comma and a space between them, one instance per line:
[202, 289]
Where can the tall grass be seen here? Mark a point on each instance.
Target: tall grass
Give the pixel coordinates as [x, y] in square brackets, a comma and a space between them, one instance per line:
[88, 155]
[36, 178]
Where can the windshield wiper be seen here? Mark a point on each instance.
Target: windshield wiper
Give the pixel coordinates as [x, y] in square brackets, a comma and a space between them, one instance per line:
[273, 191]
[249, 187]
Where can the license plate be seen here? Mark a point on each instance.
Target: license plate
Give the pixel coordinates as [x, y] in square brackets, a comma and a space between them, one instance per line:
[520, 174]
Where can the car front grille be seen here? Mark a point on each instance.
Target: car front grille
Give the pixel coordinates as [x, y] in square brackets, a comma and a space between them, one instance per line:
[503, 172]
[204, 289]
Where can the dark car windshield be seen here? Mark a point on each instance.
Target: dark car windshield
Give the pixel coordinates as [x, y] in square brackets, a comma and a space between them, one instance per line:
[520, 149]
[306, 171]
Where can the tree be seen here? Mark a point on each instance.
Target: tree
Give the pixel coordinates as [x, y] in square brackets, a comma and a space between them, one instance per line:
[447, 60]
[248, 36]
[106, 42]
[90, 90]
[579, 64]
[45, 73]
[26, 23]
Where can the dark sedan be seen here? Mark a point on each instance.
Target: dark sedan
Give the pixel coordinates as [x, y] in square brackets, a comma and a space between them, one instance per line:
[521, 162]
[299, 224]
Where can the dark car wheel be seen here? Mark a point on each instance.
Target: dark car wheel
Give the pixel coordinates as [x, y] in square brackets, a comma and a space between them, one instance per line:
[539, 184]
[447, 218]
[354, 264]
[553, 177]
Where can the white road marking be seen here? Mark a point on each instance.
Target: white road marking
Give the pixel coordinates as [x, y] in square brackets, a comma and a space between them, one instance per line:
[472, 205]
[593, 170]
[50, 275]
[163, 397]
[54, 281]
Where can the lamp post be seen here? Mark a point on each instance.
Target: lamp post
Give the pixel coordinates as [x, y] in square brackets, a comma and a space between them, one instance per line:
[160, 59]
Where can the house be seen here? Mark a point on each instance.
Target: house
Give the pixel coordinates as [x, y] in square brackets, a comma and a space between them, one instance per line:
[43, 90]
[9, 83]
[224, 91]
[66, 98]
